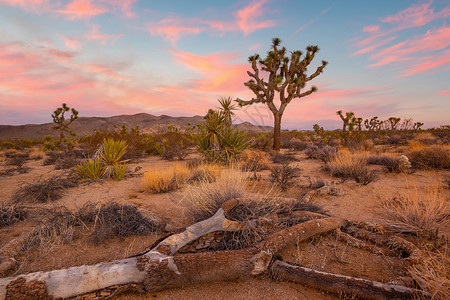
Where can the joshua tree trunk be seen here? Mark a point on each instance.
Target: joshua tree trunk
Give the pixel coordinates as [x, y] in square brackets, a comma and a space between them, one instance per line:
[277, 131]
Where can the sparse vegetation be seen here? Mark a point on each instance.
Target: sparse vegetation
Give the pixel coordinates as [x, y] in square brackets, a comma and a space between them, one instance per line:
[165, 180]
[90, 169]
[434, 157]
[279, 158]
[43, 191]
[254, 160]
[284, 175]
[9, 214]
[348, 165]
[418, 211]
[205, 198]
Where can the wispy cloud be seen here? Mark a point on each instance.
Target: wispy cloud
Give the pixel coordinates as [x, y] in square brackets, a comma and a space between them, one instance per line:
[102, 38]
[444, 93]
[246, 20]
[312, 20]
[410, 55]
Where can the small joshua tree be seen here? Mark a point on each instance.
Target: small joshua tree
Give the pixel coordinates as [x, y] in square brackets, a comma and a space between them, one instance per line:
[393, 122]
[62, 124]
[348, 117]
[283, 75]
[358, 123]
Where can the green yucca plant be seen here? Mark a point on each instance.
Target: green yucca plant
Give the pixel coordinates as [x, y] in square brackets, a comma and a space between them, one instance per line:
[112, 151]
[91, 168]
[119, 171]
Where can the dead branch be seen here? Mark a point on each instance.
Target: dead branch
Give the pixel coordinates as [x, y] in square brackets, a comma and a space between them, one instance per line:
[336, 283]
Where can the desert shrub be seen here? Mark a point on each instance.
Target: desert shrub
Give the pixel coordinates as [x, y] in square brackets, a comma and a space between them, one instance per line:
[104, 221]
[430, 158]
[90, 169]
[165, 180]
[349, 165]
[284, 175]
[170, 145]
[204, 173]
[205, 198]
[66, 162]
[324, 153]
[120, 171]
[295, 144]
[137, 142]
[43, 191]
[111, 153]
[52, 157]
[7, 145]
[279, 158]
[253, 160]
[416, 210]
[262, 141]
[114, 219]
[16, 159]
[9, 214]
[432, 274]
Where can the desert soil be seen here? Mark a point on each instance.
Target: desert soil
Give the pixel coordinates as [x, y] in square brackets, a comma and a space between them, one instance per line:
[359, 203]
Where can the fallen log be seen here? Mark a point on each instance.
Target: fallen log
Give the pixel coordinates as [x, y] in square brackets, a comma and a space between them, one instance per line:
[158, 270]
[335, 283]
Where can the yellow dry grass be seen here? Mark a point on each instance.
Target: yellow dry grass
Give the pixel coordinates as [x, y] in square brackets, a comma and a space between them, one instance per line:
[417, 209]
[165, 180]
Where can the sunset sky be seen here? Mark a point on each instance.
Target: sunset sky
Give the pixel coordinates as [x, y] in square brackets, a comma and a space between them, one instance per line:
[111, 57]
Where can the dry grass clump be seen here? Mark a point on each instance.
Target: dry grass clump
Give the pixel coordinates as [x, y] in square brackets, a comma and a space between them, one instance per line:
[204, 199]
[417, 210]
[392, 164]
[114, 219]
[254, 160]
[165, 180]
[433, 275]
[44, 191]
[204, 173]
[102, 221]
[351, 165]
[434, 157]
[283, 176]
[10, 214]
[325, 153]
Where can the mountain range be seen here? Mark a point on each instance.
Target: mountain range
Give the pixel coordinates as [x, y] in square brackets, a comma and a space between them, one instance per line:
[86, 125]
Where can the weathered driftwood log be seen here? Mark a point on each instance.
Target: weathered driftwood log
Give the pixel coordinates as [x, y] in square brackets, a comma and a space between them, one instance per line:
[335, 283]
[400, 245]
[158, 270]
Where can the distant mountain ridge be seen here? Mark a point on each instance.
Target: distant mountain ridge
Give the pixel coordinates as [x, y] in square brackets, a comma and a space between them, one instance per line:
[86, 125]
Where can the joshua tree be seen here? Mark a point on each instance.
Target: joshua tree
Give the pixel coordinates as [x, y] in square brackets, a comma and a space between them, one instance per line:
[373, 124]
[393, 122]
[357, 122]
[226, 109]
[417, 126]
[279, 73]
[61, 123]
[348, 117]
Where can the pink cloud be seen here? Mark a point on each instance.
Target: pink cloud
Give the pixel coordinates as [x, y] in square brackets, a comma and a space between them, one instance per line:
[372, 28]
[427, 63]
[248, 17]
[31, 5]
[104, 39]
[82, 9]
[416, 15]
[219, 73]
[444, 93]
[71, 43]
[247, 20]
[373, 46]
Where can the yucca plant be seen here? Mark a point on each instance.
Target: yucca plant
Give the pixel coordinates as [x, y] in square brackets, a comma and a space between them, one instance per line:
[119, 171]
[91, 168]
[218, 142]
[111, 154]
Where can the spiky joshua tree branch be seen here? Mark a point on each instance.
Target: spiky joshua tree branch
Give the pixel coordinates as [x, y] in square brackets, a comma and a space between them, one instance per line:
[287, 77]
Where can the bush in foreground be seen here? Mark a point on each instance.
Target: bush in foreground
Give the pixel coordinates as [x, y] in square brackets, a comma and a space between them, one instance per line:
[165, 180]
[434, 157]
[351, 165]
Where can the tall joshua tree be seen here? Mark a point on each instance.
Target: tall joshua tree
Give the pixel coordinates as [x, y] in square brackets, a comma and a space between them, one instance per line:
[280, 74]
[346, 120]
[62, 124]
